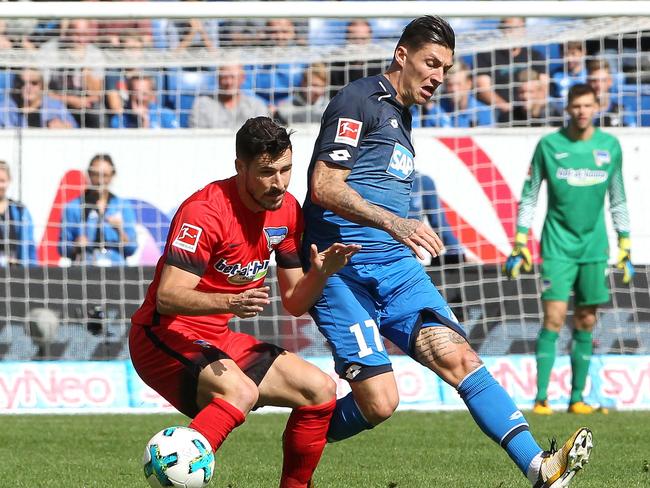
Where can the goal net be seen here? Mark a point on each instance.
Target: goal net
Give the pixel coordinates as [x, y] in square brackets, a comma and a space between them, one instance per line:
[73, 88]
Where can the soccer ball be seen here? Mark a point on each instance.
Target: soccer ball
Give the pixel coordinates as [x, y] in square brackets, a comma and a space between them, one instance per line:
[178, 457]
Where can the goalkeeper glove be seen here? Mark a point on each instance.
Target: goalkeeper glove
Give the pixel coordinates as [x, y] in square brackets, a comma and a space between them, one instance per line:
[623, 261]
[519, 257]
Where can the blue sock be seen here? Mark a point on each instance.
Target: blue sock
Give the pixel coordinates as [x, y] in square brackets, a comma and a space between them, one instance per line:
[347, 420]
[498, 416]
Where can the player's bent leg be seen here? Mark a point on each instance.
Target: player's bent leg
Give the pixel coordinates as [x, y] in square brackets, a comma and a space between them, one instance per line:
[372, 400]
[293, 382]
[448, 354]
[225, 395]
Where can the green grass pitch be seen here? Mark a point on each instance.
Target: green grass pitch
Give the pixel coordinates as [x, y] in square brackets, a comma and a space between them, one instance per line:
[409, 451]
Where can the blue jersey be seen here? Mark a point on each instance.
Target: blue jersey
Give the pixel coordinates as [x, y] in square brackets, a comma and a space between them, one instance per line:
[366, 130]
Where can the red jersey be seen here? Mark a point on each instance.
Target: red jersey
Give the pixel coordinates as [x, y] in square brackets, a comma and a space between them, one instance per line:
[215, 236]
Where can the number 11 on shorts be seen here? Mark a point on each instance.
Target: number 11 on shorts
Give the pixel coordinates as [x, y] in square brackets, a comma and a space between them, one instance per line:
[364, 350]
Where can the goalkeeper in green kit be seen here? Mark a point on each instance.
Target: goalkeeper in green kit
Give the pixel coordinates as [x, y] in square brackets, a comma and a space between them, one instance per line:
[581, 164]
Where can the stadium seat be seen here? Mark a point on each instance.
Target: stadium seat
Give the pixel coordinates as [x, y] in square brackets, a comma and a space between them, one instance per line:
[182, 86]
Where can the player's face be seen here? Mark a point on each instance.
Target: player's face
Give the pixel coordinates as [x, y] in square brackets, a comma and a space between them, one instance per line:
[267, 180]
[423, 71]
[582, 110]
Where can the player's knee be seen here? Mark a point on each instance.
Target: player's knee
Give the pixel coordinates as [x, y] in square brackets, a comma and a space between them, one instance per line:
[322, 389]
[379, 409]
[585, 321]
[553, 322]
[243, 395]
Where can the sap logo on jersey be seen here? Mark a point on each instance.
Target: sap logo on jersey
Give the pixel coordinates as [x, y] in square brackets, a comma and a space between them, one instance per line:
[241, 275]
[275, 235]
[401, 162]
[188, 237]
[348, 131]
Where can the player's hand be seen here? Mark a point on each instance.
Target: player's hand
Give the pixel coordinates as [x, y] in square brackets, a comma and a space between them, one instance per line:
[414, 234]
[519, 257]
[333, 258]
[623, 262]
[250, 302]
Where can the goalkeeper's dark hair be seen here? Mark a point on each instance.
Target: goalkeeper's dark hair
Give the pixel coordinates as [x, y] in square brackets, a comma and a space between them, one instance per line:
[579, 90]
[428, 29]
[261, 136]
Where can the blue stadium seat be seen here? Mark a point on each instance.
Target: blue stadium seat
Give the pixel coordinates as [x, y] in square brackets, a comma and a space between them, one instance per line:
[636, 99]
[327, 32]
[182, 86]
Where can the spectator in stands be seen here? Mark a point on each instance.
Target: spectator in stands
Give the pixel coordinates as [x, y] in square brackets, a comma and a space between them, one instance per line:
[530, 106]
[497, 70]
[142, 110]
[79, 88]
[274, 82]
[117, 91]
[610, 113]
[16, 229]
[111, 32]
[98, 227]
[231, 108]
[425, 206]
[308, 103]
[16, 33]
[458, 103]
[27, 106]
[572, 73]
[194, 34]
[358, 38]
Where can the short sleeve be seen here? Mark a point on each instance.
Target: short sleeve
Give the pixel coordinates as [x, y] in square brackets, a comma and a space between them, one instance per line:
[287, 254]
[343, 125]
[193, 236]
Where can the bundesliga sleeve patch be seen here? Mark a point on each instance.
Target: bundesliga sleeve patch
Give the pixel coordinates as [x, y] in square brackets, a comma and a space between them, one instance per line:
[188, 237]
[348, 131]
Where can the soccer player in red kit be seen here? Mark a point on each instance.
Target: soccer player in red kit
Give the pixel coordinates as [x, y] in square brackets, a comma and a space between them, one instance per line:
[213, 267]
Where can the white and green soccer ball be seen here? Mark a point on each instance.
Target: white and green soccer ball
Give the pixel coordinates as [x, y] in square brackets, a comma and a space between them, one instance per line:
[179, 457]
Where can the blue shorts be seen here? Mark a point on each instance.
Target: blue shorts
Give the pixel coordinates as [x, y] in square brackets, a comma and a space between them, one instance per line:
[363, 302]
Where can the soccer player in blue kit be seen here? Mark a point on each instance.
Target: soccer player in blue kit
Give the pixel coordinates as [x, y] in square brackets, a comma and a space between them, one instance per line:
[359, 187]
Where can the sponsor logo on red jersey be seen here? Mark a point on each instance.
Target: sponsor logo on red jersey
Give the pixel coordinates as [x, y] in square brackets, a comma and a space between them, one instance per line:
[239, 274]
[348, 131]
[188, 237]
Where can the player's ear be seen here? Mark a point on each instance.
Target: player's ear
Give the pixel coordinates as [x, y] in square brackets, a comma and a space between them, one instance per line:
[401, 53]
[239, 165]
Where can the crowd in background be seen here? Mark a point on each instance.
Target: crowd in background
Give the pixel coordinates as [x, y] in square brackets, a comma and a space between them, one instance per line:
[517, 86]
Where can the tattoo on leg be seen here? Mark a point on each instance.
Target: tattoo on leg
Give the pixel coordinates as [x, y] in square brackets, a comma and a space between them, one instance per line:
[435, 343]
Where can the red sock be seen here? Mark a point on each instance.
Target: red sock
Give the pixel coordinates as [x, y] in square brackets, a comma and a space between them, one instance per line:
[217, 420]
[304, 441]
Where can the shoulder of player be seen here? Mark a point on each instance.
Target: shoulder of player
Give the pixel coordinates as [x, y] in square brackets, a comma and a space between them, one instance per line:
[212, 198]
[361, 90]
[606, 137]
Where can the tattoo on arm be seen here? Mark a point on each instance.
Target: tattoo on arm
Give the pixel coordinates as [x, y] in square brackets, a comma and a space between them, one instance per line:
[336, 195]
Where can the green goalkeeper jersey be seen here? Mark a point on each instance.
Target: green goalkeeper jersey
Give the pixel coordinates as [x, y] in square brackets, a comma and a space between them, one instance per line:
[578, 175]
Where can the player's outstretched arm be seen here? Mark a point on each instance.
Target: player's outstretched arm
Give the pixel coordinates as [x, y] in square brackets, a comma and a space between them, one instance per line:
[177, 296]
[299, 291]
[330, 190]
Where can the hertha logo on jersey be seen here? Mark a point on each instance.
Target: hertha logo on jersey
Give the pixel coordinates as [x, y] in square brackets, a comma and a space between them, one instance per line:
[402, 162]
[275, 235]
[188, 237]
[348, 131]
[601, 157]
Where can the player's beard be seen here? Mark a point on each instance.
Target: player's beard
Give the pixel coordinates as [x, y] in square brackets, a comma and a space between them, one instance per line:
[266, 200]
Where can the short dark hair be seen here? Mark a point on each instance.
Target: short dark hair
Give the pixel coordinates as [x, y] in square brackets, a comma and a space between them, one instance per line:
[579, 90]
[428, 29]
[596, 64]
[259, 136]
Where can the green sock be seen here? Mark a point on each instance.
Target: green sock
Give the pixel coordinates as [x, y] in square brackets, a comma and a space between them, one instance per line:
[580, 358]
[545, 356]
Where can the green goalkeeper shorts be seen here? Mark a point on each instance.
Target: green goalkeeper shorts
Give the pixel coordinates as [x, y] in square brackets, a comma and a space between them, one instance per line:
[587, 280]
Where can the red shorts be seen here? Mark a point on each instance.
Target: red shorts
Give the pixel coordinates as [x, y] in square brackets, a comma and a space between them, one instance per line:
[170, 358]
